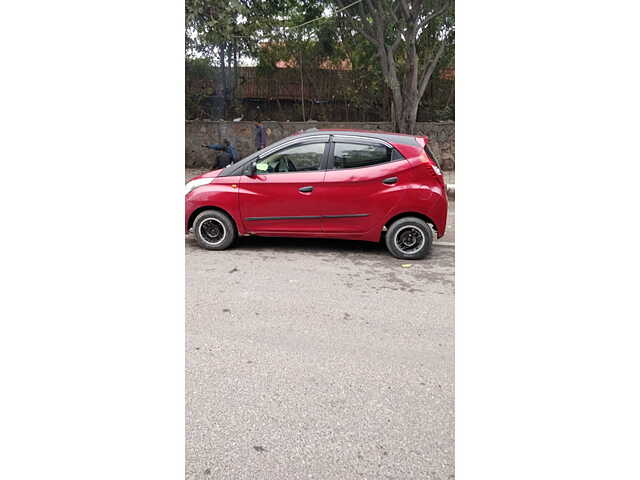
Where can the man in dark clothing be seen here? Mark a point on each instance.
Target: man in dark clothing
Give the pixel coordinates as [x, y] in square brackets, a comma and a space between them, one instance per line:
[261, 136]
[229, 153]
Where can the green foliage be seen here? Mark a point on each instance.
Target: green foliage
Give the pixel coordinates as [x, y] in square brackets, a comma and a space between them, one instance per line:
[199, 69]
[269, 31]
[200, 76]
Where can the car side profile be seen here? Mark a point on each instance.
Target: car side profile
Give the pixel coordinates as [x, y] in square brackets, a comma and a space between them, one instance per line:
[355, 185]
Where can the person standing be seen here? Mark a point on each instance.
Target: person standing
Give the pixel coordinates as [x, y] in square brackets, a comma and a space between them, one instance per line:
[228, 156]
[261, 136]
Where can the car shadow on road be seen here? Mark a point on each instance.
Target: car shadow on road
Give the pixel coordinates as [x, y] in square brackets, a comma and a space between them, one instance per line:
[291, 244]
[322, 246]
[328, 245]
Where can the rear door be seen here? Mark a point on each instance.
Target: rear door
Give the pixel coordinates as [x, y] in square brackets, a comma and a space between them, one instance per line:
[365, 178]
[285, 194]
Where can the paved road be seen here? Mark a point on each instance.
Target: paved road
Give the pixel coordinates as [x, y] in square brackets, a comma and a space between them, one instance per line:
[318, 359]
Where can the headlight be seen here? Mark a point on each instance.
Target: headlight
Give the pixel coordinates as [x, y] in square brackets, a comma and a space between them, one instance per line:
[198, 182]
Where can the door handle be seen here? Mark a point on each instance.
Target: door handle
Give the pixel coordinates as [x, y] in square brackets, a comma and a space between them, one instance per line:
[390, 180]
[306, 189]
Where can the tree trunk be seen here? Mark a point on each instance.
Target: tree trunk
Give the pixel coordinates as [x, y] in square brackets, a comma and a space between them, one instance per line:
[302, 89]
[405, 108]
[407, 80]
[235, 64]
[232, 79]
[225, 80]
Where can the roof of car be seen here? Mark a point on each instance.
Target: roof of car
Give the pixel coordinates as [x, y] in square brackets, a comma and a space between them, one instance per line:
[389, 137]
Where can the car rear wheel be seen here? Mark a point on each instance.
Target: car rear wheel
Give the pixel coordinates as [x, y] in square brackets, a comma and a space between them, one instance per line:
[409, 238]
[214, 230]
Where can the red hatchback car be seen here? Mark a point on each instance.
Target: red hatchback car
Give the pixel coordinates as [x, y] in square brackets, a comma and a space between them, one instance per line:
[356, 185]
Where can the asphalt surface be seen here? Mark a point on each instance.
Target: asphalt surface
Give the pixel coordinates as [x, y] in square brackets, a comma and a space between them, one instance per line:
[319, 359]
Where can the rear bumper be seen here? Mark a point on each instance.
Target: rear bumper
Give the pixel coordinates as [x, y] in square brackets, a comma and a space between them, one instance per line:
[441, 222]
[436, 208]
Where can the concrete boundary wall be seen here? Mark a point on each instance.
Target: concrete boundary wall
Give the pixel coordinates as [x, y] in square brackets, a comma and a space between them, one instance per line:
[241, 134]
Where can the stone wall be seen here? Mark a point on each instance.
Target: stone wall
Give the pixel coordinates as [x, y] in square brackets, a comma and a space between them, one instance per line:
[241, 134]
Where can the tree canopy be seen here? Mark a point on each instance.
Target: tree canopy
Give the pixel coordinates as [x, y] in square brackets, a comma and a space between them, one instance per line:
[392, 47]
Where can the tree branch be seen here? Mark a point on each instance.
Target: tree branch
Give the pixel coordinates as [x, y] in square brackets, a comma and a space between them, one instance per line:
[424, 81]
[433, 15]
[396, 43]
[392, 11]
[405, 7]
[371, 8]
[365, 35]
[363, 20]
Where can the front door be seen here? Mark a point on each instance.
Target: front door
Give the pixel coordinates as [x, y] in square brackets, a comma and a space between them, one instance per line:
[285, 194]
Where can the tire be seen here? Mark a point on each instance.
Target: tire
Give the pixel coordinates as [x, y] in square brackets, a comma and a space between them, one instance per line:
[214, 230]
[409, 238]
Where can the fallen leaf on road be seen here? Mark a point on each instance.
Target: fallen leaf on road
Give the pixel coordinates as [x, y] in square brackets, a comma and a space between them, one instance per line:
[406, 265]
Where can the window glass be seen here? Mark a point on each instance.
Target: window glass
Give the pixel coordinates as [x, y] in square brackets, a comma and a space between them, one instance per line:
[396, 155]
[353, 155]
[302, 158]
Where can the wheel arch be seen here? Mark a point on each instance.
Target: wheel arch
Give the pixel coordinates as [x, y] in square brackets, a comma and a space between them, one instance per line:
[398, 216]
[204, 208]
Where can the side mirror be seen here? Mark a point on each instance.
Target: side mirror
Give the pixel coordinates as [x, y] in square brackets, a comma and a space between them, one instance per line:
[250, 171]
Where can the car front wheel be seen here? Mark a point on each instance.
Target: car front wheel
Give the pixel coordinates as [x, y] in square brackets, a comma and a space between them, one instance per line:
[409, 238]
[214, 230]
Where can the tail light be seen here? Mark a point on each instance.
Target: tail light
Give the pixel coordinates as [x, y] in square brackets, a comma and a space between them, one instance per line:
[424, 143]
